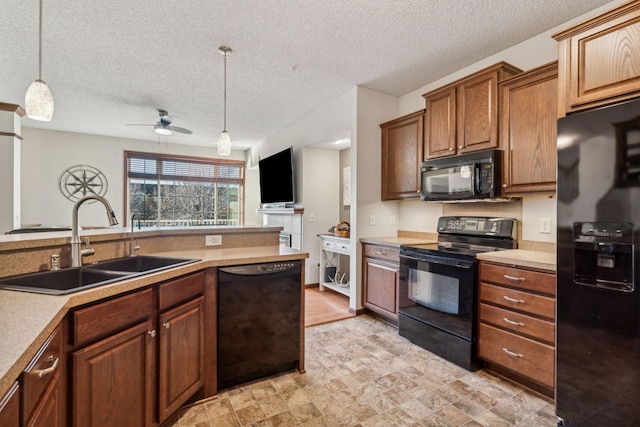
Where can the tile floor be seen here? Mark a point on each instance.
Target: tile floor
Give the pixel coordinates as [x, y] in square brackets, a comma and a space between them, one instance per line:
[360, 372]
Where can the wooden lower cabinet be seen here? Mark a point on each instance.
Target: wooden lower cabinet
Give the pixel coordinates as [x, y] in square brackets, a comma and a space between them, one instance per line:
[381, 274]
[146, 362]
[113, 379]
[516, 333]
[10, 407]
[43, 387]
[181, 357]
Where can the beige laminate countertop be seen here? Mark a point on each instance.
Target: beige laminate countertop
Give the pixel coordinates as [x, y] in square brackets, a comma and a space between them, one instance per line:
[27, 319]
[522, 258]
[396, 241]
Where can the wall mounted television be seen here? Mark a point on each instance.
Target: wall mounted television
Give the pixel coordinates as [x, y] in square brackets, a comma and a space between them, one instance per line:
[277, 179]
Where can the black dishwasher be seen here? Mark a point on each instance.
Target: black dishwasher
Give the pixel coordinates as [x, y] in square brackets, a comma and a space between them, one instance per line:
[259, 316]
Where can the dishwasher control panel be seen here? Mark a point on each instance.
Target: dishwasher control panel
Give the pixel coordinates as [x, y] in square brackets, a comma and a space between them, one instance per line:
[266, 268]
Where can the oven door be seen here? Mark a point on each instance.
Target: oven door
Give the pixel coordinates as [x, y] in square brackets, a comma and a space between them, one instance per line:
[439, 291]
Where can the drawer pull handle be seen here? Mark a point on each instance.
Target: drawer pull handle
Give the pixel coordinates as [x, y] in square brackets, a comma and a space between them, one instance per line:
[152, 333]
[514, 278]
[511, 353]
[511, 322]
[519, 301]
[54, 364]
[380, 252]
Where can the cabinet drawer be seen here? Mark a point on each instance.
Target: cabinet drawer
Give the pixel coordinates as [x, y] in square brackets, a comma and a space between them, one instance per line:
[382, 252]
[40, 372]
[519, 278]
[521, 355]
[517, 300]
[181, 289]
[110, 316]
[328, 244]
[10, 407]
[343, 247]
[518, 323]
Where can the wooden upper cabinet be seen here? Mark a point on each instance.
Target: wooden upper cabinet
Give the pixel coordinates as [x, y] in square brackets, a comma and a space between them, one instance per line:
[463, 116]
[440, 129]
[402, 144]
[599, 60]
[528, 131]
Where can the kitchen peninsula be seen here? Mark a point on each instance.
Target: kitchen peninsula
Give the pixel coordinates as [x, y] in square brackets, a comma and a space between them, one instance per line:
[30, 319]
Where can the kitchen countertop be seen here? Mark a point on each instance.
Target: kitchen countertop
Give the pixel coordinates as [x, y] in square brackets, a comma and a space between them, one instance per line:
[28, 319]
[522, 258]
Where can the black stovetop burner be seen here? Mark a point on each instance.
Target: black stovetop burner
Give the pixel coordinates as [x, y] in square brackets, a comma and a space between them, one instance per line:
[464, 237]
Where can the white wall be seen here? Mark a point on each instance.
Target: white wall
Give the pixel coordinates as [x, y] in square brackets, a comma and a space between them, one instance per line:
[46, 154]
[322, 199]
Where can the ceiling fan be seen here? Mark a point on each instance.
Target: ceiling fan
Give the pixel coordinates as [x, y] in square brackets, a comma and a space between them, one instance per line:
[163, 126]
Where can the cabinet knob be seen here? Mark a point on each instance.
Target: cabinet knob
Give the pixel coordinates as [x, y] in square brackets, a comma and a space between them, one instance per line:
[166, 325]
[504, 185]
[451, 149]
[152, 333]
[460, 147]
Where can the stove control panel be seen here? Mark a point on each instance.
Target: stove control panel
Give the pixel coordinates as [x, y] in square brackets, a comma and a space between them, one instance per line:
[477, 226]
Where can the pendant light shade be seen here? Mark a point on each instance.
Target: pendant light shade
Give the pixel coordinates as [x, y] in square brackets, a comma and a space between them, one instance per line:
[224, 140]
[224, 143]
[38, 102]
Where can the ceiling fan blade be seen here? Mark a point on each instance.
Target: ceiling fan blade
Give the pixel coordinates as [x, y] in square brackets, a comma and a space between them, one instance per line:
[137, 124]
[179, 129]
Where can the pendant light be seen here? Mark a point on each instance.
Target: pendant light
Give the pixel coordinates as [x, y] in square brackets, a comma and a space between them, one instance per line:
[38, 102]
[224, 140]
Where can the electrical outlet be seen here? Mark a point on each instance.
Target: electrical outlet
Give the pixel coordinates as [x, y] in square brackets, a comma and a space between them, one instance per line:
[312, 217]
[392, 220]
[372, 219]
[545, 225]
[213, 240]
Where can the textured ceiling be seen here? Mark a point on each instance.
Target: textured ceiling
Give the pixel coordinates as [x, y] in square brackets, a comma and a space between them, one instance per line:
[109, 63]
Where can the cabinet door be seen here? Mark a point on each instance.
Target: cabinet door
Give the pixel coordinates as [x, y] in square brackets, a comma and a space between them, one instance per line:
[113, 380]
[440, 127]
[50, 409]
[598, 60]
[10, 407]
[381, 287]
[181, 359]
[402, 143]
[530, 104]
[41, 383]
[477, 118]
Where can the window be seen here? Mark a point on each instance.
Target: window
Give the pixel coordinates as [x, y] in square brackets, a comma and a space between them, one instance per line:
[166, 190]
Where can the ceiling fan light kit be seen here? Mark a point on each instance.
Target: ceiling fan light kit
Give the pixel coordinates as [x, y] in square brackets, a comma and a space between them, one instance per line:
[224, 140]
[38, 101]
[163, 126]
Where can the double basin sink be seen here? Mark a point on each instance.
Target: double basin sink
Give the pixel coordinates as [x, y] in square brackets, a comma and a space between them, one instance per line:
[74, 279]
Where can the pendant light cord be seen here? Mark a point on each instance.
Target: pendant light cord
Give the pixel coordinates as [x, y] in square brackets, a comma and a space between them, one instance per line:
[225, 90]
[40, 45]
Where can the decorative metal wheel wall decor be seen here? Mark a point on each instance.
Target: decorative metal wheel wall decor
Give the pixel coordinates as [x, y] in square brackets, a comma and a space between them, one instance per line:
[82, 180]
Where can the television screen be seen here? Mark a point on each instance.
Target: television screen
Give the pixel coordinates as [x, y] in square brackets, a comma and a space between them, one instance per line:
[277, 178]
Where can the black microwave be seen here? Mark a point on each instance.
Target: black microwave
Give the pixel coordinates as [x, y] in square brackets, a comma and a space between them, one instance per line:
[465, 177]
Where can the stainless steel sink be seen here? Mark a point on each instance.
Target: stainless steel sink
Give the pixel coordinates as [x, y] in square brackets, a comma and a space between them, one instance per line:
[76, 279]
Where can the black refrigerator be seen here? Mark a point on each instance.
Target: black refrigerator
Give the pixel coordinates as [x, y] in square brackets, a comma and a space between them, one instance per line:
[598, 280]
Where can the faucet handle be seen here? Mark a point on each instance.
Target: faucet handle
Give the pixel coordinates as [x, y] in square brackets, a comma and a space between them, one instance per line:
[88, 250]
[55, 262]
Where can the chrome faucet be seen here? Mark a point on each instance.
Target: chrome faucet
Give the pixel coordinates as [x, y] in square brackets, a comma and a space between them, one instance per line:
[133, 247]
[76, 253]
